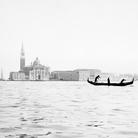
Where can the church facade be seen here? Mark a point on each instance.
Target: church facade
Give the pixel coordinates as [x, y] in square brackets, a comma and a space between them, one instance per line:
[38, 71]
[35, 71]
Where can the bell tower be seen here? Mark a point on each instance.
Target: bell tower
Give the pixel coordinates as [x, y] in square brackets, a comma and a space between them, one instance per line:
[22, 58]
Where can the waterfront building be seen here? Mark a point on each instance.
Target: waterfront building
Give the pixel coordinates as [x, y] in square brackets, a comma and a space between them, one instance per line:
[38, 71]
[76, 75]
[1, 77]
[135, 76]
[84, 74]
[65, 75]
[35, 71]
[26, 70]
[14, 76]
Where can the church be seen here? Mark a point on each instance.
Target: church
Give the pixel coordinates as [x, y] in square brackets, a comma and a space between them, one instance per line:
[35, 71]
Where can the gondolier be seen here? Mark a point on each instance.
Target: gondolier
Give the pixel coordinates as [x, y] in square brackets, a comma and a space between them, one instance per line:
[96, 78]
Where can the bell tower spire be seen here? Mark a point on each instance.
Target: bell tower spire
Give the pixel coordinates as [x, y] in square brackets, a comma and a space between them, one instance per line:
[1, 74]
[22, 58]
[22, 47]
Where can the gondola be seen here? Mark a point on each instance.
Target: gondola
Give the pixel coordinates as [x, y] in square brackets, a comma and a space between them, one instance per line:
[110, 84]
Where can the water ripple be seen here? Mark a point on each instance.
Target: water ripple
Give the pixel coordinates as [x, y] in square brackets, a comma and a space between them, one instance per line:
[67, 110]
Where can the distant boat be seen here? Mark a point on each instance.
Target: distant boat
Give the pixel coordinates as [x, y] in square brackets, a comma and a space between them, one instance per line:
[110, 84]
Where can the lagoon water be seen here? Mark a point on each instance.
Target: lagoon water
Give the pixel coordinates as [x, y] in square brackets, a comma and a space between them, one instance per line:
[59, 109]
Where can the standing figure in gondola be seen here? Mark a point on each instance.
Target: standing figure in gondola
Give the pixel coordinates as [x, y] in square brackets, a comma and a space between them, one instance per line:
[122, 80]
[108, 80]
[96, 78]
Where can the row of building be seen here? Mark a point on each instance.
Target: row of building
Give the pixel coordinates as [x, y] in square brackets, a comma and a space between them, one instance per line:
[84, 74]
[75, 75]
[37, 71]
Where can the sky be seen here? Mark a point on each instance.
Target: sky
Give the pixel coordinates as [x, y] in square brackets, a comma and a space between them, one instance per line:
[70, 34]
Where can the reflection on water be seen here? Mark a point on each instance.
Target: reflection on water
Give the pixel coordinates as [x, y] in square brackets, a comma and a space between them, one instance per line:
[67, 110]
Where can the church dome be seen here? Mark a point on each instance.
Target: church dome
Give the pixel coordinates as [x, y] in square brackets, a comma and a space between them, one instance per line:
[36, 62]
